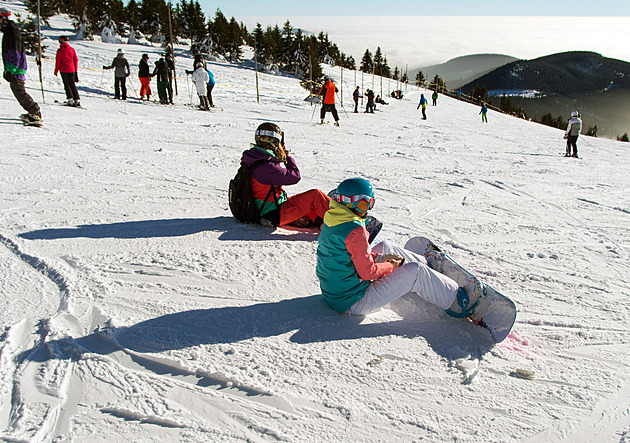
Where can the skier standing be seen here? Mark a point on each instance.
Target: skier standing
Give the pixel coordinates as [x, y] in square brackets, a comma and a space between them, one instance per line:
[573, 132]
[210, 87]
[358, 280]
[355, 97]
[369, 107]
[120, 75]
[144, 74]
[484, 113]
[424, 103]
[171, 72]
[328, 91]
[279, 169]
[67, 63]
[14, 60]
[200, 78]
[161, 71]
[434, 96]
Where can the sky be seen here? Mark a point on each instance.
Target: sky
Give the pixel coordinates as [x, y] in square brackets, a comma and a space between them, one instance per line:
[238, 8]
[413, 36]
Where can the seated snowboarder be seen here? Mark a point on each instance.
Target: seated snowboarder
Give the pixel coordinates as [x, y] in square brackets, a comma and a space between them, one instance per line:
[279, 169]
[357, 280]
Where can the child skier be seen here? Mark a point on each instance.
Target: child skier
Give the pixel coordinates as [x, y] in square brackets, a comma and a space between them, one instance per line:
[201, 78]
[356, 280]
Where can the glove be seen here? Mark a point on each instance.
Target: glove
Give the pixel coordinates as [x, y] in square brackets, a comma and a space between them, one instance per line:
[76, 77]
[105, 67]
[8, 76]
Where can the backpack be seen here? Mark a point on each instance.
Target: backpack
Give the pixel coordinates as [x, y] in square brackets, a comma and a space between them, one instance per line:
[240, 197]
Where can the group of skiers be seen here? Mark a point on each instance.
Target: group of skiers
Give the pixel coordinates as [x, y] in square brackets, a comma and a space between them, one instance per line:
[66, 64]
[354, 278]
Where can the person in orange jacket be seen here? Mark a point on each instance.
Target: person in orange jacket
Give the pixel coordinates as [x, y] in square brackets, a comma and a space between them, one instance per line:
[66, 63]
[328, 93]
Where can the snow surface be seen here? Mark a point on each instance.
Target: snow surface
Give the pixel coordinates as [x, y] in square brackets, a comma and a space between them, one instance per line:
[135, 308]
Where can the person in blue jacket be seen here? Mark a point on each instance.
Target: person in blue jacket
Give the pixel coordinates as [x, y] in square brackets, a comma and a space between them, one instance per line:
[209, 88]
[357, 280]
[424, 103]
[484, 113]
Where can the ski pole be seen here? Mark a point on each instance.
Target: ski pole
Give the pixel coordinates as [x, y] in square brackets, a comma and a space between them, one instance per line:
[134, 89]
[344, 109]
[188, 86]
[101, 83]
[313, 115]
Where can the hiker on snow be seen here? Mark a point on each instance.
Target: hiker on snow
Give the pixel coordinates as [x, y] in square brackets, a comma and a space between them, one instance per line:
[15, 66]
[573, 132]
[120, 75]
[424, 103]
[144, 74]
[357, 280]
[200, 78]
[67, 62]
[279, 169]
[328, 91]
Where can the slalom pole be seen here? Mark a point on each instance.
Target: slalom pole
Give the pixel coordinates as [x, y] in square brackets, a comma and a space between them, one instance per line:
[39, 51]
[101, 83]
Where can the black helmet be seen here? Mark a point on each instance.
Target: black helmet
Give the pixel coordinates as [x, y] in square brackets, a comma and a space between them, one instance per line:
[63, 38]
[269, 135]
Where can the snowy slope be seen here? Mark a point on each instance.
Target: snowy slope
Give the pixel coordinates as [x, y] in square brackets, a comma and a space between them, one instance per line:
[136, 309]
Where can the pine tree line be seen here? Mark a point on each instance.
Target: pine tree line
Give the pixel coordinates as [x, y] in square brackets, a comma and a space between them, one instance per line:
[287, 49]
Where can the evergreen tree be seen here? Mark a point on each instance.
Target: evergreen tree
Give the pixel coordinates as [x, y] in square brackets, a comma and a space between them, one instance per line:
[366, 62]
[131, 14]
[191, 20]
[30, 38]
[287, 49]
[235, 40]
[378, 61]
[420, 79]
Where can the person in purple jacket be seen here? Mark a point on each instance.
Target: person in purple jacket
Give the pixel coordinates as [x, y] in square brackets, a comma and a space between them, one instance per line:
[355, 97]
[15, 67]
[276, 168]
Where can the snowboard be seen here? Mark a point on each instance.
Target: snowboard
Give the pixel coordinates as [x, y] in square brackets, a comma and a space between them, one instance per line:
[493, 310]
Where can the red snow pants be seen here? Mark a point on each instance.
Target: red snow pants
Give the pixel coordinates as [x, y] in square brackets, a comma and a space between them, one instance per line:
[312, 204]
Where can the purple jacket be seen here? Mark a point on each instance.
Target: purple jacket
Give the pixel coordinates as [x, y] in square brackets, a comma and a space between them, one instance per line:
[274, 172]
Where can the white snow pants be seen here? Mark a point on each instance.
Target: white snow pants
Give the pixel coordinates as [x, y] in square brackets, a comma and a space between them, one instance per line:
[413, 276]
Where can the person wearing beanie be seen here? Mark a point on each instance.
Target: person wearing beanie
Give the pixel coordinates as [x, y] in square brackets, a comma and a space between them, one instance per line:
[66, 63]
[15, 66]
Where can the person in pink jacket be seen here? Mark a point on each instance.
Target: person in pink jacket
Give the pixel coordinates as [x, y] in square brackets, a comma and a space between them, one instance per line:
[67, 63]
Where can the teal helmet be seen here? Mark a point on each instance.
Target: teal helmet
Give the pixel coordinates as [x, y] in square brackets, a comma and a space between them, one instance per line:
[356, 194]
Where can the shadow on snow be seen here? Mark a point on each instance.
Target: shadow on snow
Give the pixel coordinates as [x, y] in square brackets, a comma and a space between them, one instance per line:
[178, 227]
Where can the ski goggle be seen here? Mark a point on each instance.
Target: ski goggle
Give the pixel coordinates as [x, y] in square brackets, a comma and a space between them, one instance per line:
[362, 203]
[273, 134]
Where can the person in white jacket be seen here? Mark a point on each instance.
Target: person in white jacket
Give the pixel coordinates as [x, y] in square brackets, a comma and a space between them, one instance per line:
[200, 78]
[572, 134]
